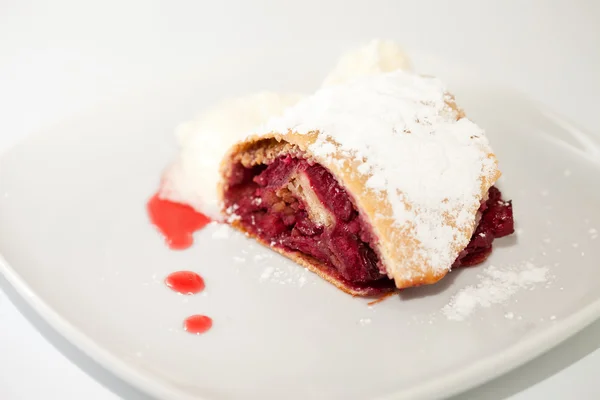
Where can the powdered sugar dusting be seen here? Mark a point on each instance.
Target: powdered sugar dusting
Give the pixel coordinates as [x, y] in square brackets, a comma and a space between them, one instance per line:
[415, 152]
[495, 286]
[278, 275]
[266, 274]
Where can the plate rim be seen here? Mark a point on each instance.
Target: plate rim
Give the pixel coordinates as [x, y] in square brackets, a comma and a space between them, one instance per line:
[446, 385]
[449, 384]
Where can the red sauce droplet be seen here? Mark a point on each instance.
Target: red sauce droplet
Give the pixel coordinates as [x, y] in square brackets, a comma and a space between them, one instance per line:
[185, 282]
[177, 222]
[197, 324]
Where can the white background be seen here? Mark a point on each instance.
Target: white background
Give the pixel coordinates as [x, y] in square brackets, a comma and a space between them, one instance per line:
[58, 58]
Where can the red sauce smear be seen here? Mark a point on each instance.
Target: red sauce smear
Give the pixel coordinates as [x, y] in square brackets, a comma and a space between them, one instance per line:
[177, 222]
[185, 282]
[197, 324]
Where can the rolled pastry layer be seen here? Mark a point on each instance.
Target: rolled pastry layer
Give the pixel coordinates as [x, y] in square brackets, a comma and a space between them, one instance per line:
[374, 185]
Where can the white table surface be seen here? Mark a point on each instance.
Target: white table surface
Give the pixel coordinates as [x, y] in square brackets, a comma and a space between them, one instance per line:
[58, 58]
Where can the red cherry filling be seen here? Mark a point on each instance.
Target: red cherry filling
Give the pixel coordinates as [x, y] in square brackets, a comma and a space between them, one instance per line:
[276, 203]
[299, 206]
[496, 222]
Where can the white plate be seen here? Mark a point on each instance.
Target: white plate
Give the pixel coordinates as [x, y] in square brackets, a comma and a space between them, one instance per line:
[78, 246]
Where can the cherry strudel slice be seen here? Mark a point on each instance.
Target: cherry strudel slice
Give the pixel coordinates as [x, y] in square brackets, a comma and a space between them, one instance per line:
[378, 184]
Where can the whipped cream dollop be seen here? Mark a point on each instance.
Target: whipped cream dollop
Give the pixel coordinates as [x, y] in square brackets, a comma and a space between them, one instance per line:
[376, 57]
[193, 177]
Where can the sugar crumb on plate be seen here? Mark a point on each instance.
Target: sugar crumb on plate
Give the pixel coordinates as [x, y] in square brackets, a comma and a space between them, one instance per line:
[496, 286]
